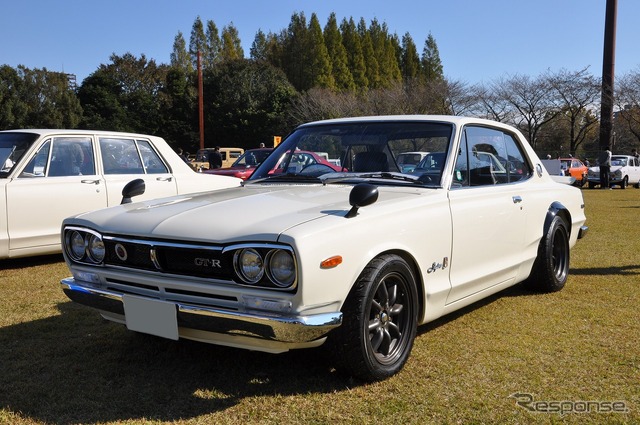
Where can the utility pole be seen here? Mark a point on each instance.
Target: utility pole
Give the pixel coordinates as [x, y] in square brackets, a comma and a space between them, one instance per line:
[200, 102]
[608, 62]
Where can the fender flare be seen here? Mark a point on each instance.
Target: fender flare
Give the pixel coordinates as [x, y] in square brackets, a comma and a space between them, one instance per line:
[557, 209]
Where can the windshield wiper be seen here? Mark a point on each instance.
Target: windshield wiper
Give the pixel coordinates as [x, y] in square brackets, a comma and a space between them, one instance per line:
[288, 177]
[382, 175]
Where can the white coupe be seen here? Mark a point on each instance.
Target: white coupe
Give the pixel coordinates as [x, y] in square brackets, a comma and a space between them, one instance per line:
[355, 259]
[48, 175]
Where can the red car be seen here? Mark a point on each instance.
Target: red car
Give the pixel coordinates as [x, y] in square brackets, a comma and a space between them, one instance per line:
[244, 166]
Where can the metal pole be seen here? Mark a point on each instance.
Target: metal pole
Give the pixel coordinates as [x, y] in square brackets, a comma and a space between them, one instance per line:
[200, 102]
[608, 62]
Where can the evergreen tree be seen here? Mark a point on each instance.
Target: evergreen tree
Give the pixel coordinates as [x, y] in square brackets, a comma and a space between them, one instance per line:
[259, 47]
[211, 54]
[180, 57]
[355, 57]
[431, 65]
[295, 60]
[371, 62]
[198, 41]
[231, 45]
[410, 61]
[338, 54]
[320, 66]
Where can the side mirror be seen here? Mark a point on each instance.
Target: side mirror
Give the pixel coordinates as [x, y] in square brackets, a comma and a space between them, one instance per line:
[361, 195]
[133, 188]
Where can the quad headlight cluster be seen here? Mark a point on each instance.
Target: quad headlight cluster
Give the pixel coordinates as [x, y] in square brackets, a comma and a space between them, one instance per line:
[261, 265]
[277, 264]
[84, 245]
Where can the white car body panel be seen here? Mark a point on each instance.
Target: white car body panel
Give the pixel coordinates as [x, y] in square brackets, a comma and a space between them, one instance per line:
[32, 209]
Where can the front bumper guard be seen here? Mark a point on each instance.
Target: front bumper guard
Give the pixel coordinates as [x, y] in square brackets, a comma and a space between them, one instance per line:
[260, 325]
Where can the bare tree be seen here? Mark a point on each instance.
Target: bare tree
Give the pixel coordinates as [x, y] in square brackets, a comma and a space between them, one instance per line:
[577, 95]
[628, 104]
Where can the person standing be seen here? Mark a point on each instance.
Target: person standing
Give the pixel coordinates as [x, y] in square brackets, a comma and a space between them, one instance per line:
[604, 161]
[215, 158]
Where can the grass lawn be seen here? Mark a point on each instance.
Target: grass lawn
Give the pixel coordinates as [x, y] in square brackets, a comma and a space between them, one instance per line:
[60, 363]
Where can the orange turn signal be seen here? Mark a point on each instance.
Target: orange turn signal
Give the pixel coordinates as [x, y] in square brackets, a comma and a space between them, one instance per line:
[331, 262]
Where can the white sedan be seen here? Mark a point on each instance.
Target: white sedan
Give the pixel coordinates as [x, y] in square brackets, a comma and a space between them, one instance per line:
[355, 259]
[47, 175]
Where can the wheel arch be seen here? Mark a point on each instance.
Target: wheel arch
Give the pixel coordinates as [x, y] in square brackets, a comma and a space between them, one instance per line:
[411, 261]
[557, 209]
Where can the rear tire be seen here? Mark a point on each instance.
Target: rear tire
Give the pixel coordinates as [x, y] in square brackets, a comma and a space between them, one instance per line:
[379, 322]
[551, 267]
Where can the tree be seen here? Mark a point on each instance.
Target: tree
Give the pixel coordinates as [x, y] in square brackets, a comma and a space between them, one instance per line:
[410, 61]
[355, 56]
[338, 54]
[231, 48]
[431, 64]
[371, 62]
[180, 57]
[212, 49]
[50, 102]
[259, 50]
[13, 108]
[246, 103]
[577, 93]
[124, 95]
[197, 42]
[627, 120]
[530, 101]
[320, 66]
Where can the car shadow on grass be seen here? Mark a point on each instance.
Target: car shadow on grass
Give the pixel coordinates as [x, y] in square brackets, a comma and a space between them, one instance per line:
[607, 271]
[78, 368]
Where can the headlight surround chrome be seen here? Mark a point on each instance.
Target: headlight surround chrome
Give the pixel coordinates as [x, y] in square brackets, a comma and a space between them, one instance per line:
[265, 265]
[249, 265]
[83, 245]
[281, 268]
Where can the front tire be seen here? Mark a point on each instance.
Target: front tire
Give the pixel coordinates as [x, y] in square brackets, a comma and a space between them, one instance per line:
[551, 267]
[624, 183]
[380, 321]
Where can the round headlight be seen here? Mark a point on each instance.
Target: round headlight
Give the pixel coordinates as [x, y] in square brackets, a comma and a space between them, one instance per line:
[249, 265]
[282, 268]
[76, 245]
[96, 248]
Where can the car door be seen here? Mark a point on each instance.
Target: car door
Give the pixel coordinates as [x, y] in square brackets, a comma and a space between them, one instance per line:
[125, 159]
[58, 181]
[488, 211]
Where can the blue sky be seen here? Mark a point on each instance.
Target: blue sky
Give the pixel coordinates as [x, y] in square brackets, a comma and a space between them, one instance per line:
[479, 41]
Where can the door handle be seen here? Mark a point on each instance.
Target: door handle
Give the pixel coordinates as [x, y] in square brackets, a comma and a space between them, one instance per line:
[164, 179]
[90, 181]
[516, 199]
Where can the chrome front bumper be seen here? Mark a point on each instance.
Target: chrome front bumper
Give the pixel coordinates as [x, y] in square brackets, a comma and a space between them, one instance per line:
[252, 324]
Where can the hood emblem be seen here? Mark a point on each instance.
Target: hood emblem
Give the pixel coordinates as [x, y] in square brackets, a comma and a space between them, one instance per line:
[121, 252]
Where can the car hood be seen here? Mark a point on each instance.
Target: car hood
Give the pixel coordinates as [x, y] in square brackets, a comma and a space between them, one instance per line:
[252, 212]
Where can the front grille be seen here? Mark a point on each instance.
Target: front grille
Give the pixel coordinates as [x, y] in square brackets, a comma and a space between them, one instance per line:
[168, 257]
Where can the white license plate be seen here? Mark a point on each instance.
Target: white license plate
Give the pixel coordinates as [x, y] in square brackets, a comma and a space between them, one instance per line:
[151, 316]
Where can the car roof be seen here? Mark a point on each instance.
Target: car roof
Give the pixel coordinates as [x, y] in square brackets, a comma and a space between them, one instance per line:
[452, 119]
[51, 131]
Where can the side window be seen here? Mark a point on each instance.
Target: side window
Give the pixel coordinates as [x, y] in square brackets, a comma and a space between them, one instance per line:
[120, 156]
[70, 156]
[39, 164]
[488, 157]
[151, 160]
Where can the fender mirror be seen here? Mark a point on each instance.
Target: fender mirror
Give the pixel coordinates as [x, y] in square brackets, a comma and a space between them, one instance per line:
[361, 195]
[133, 188]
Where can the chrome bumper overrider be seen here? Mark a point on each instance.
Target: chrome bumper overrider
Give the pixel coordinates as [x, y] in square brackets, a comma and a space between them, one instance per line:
[261, 325]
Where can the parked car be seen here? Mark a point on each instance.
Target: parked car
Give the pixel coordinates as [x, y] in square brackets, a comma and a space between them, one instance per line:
[625, 170]
[244, 165]
[47, 175]
[355, 259]
[575, 168]
[407, 161]
[229, 156]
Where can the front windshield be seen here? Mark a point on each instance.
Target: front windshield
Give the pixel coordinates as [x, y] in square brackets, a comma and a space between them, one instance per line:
[619, 161]
[12, 148]
[364, 150]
